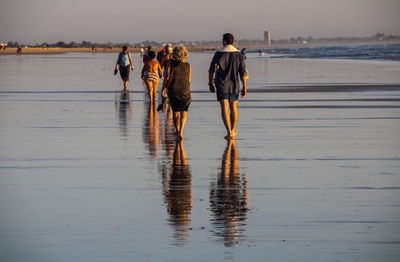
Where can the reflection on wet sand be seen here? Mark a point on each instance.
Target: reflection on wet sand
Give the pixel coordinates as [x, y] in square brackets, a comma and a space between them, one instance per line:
[151, 129]
[229, 198]
[125, 112]
[178, 194]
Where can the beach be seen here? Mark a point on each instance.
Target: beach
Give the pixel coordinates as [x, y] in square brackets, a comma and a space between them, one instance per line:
[90, 173]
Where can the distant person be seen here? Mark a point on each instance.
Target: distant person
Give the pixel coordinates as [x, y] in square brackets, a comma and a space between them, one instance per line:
[124, 62]
[146, 54]
[177, 86]
[19, 50]
[243, 52]
[166, 56]
[151, 74]
[227, 65]
[165, 65]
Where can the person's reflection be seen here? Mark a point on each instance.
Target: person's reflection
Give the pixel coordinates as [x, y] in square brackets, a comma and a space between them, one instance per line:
[229, 198]
[151, 129]
[125, 112]
[178, 194]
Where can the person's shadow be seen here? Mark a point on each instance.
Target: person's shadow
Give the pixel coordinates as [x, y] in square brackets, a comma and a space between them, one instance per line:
[124, 110]
[177, 191]
[229, 198]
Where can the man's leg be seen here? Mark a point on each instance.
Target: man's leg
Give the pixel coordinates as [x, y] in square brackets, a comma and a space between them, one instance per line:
[225, 116]
[233, 117]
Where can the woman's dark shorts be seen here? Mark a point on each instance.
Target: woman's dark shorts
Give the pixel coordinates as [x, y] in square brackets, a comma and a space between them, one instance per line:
[124, 72]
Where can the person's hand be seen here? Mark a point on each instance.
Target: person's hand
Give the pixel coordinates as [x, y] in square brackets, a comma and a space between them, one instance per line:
[115, 71]
[212, 88]
[244, 92]
[132, 68]
[163, 93]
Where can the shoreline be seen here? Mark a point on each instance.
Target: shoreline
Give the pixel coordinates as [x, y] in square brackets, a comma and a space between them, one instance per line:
[60, 50]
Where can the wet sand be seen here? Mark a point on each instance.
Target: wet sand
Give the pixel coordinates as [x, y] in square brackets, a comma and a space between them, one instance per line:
[90, 173]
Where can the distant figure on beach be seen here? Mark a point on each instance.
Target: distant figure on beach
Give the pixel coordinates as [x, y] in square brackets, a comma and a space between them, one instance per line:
[19, 50]
[165, 65]
[124, 62]
[177, 86]
[243, 51]
[166, 56]
[227, 65]
[151, 74]
[146, 54]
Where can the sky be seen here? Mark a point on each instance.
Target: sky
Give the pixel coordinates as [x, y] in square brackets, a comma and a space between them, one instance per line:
[133, 21]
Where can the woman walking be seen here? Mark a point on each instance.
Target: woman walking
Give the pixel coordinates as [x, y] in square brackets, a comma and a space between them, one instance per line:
[177, 85]
[151, 74]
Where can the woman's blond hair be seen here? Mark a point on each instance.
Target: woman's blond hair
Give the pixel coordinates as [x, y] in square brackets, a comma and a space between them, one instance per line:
[180, 53]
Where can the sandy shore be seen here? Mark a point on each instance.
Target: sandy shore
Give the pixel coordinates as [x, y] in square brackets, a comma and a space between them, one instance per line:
[59, 50]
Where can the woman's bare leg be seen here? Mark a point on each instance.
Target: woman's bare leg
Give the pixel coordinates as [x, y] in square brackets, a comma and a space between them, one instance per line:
[183, 118]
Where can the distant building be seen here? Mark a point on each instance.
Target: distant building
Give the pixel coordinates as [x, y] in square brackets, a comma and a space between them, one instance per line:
[267, 37]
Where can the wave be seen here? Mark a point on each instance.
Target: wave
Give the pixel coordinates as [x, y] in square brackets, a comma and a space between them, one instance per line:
[364, 52]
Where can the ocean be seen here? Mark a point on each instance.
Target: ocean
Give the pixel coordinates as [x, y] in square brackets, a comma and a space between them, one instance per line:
[362, 52]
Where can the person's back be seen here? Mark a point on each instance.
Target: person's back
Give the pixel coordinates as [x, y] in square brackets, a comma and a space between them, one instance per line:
[227, 65]
[152, 66]
[151, 73]
[180, 82]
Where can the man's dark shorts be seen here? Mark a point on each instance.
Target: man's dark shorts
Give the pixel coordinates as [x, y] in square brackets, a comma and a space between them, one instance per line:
[229, 96]
[124, 72]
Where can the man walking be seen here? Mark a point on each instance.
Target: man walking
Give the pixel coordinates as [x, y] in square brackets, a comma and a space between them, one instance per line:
[125, 63]
[227, 65]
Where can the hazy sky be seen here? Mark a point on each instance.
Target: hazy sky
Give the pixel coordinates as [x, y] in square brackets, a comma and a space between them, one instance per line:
[36, 21]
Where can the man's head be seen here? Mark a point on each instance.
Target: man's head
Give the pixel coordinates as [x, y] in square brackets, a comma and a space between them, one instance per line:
[227, 39]
[149, 47]
[124, 48]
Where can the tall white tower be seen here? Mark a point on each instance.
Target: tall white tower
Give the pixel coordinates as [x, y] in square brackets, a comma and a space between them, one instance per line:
[267, 37]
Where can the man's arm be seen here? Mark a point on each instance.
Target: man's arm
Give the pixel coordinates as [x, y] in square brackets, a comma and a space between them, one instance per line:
[211, 72]
[116, 65]
[210, 82]
[244, 82]
[130, 61]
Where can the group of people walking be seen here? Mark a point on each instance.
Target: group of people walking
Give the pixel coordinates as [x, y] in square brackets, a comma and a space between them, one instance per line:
[226, 69]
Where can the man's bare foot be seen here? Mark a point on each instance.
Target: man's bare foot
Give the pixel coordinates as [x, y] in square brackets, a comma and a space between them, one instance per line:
[180, 136]
[228, 136]
[233, 133]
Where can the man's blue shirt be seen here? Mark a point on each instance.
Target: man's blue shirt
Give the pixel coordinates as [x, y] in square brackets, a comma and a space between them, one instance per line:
[228, 64]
